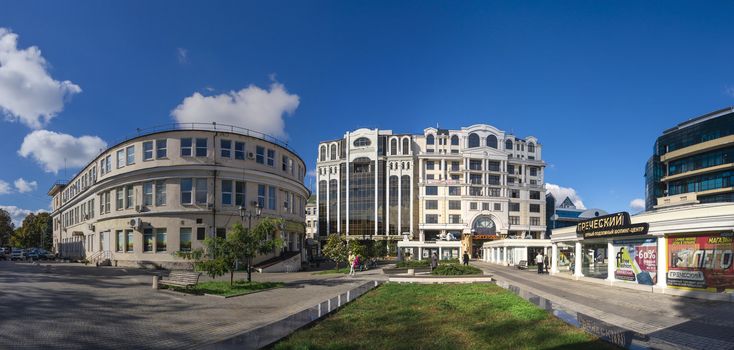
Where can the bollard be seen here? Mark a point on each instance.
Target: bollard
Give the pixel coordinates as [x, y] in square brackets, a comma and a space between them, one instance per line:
[155, 282]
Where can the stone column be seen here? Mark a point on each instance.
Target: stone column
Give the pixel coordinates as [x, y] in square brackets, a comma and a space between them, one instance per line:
[611, 261]
[662, 255]
[554, 258]
[440, 251]
[578, 260]
[420, 253]
[504, 261]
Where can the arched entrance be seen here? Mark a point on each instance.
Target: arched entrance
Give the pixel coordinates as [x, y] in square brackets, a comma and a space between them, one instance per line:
[483, 229]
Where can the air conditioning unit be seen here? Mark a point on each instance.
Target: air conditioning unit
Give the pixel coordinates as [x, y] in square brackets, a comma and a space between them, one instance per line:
[136, 223]
[250, 155]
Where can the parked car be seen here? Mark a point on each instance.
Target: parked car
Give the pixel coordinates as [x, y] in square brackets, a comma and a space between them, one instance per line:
[17, 254]
[3, 256]
[33, 254]
[46, 255]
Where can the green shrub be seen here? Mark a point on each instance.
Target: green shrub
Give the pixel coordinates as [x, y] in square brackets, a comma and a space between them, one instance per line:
[411, 264]
[455, 269]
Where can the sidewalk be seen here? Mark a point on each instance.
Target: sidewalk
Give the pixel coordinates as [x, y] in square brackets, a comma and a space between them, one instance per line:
[683, 322]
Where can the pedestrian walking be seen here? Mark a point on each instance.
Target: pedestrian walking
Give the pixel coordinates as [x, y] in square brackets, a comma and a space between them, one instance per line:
[466, 258]
[546, 262]
[434, 261]
[351, 264]
[539, 262]
[355, 265]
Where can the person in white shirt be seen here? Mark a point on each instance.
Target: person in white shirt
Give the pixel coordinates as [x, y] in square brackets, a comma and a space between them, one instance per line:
[539, 262]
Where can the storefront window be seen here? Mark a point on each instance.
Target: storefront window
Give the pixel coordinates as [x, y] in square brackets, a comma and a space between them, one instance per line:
[701, 262]
[594, 260]
[636, 260]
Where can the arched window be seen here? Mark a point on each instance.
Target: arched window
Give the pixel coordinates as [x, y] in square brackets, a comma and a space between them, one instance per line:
[454, 140]
[323, 153]
[333, 152]
[508, 144]
[430, 140]
[362, 142]
[393, 147]
[473, 140]
[531, 147]
[406, 146]
[484, 225]
[492, 141]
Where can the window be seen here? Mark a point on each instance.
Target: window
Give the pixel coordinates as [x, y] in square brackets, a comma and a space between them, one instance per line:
[221, 232]
[286, 202]
[533, 171]
[362, 142]
[120, 240]
[333, 152]
[105, 201]
[430, 140]
[475, 164]
[494, 192]
[285, 163]
[147, 150]
[186, 188]
[430, 164]
[494, 165]
[260, 154]
[200, 233]
[406, 146]
[148, 193]
[271, 157]
[473, 140]
[239, 150]
[475, 191]
[485, 206]
[454, 219]
[514, 220]
[148, 240]
[108, 163]
[201, 145]
[454, 191]
[129, 195]
[531, 147]
[393, 147]
[455, 205]
[431, 218]
[201, 191]
[131, 155]
[226, 192]
[261, 196]
[161, 148]
[498, 206]
[514, 193]
[492, 141]
[185, 239]
[239, 197]
[186, 147]
[160, 193]
[535, 221]
[535, 208]
[120, 196]
[271, 198]
[432, 204]
[322, 152]
[431, 190]
[225, 148]
[103, 166]
[514, 206]
[160, 240]
[120, 158]
[534, 195]
[454, 140]
[130, 240]
[508, 144]
[473, 206]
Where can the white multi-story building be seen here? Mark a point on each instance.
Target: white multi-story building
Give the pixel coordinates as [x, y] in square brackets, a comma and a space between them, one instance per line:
[444, 191]
[145, 198]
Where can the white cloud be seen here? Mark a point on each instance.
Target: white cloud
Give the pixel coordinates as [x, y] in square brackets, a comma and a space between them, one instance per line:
[252, 107]
[5, 187]
[637, 204]
[18, 214]
[729, 90]
[560, 194]
[24, 186]
[53, 150]
[183, 55]
[27, 92]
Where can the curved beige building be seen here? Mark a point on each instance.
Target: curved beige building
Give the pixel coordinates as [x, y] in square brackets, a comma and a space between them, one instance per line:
[145, 198]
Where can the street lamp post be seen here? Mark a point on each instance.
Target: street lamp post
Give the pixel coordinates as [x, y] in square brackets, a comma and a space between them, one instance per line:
[249, 213]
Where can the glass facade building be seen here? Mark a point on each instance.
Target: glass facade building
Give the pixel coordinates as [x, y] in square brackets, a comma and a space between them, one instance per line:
[694, 157]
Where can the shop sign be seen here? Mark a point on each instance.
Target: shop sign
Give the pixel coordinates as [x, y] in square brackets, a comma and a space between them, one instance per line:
[490, 237]
[636, 260]
[618, 224]
[701, 261]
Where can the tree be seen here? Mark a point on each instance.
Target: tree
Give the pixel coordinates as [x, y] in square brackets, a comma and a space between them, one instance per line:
[336, 249]
[241, 245]
[35, 231]
[358, 248]
[6, 227]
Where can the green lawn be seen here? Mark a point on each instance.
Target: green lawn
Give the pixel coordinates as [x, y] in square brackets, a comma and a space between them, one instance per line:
[223, 288]
[441, 316]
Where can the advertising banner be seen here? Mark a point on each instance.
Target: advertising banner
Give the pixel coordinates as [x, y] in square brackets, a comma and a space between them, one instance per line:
[636, 260]
[701, 262]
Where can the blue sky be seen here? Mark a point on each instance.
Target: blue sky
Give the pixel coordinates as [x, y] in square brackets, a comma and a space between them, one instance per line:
[596, 82]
